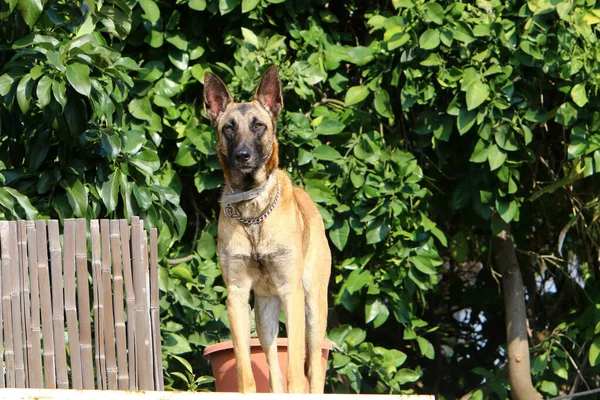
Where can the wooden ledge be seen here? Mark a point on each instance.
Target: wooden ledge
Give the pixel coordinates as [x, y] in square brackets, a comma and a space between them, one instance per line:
[71, 394]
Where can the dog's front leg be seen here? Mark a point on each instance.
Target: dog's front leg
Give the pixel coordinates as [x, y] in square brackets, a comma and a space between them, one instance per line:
[293, 304]
[267, 327]
[238, 312]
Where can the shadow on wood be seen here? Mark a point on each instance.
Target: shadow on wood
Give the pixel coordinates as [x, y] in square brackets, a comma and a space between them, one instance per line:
[45, 281]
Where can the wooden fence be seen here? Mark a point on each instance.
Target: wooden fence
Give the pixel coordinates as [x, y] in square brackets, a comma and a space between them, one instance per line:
[45, 277]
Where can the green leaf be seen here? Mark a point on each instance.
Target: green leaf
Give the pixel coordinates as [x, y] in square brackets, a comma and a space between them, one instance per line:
[382, 103]
[226, 6]
[466, 119]
[376, 311]
[151, 10]
[146, 161]
[141, 108]
[59, 90]
[355, 337]
[367, 151]
[76, 195]
[423, 264]
[250, 37]
[594, 354]
[549, 387]
[43, 91]
[357, 280]
[459, 247]
[430, 39]
[207, 247]
[460, 196]
[182, 272]
[356, 94]
[110, 191]
[444, 130]
[78, 76]
[24, 90]
[111, 143]
[133, 141]
[426, 347]
[340, 360]
[396, 37]
[480, 152]
[434, 12]
[180, 59]
[30, 11]
[360, 55]
[143, 196]
[175, 344]
[38, 149]
[6, 82]
[505, 138]
[249, 5]
[327, 153]
[329, 126]
[177, 39]
[507, 209]
[339, 233]
[559, 370]
[579, 95]
[406, 375]
[198, 5]
[496, 157]
[377, 231]
[477, 93]
[30, 211]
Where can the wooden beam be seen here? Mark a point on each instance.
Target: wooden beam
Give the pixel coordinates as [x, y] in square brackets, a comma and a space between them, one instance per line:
[62, 394]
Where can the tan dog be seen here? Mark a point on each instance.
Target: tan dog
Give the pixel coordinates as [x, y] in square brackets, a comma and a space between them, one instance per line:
[271, 239]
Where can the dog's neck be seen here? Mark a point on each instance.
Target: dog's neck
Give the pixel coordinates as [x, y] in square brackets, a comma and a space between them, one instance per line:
[240, 195]
[253, 202]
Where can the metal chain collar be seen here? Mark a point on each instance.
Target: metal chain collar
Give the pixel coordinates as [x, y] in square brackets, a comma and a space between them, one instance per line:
[231, 212]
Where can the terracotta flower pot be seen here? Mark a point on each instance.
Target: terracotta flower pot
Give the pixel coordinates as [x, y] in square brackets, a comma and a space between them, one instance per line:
[224, 369]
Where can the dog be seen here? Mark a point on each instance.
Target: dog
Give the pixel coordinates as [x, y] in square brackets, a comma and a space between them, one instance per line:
[271, 239]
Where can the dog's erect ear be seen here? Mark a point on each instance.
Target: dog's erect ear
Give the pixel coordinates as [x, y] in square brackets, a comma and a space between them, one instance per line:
[268, 92]
[216, 96]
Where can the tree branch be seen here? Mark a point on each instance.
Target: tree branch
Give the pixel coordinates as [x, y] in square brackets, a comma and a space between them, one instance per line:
[519, 366]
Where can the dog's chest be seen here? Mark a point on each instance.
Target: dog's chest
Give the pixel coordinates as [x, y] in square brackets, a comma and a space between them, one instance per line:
[268, 269]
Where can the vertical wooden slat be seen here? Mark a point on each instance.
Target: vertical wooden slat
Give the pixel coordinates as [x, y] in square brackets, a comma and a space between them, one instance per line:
[98, 306]
[130, 302]
[2, 344]
[15, 299]
[36, 379]
[120, 329]
[25, 298]
[148, 347]
[83, 306]
[58, 316]
[141, 322]
[71, 304]
[46, 305]
[155, 311]
[109, 326]
[6, 307]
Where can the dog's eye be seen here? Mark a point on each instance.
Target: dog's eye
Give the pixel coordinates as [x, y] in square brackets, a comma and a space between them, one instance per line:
[259, 125]
[228, 129]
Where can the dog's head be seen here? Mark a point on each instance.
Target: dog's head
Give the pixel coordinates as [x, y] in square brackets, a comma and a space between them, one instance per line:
[247, 144]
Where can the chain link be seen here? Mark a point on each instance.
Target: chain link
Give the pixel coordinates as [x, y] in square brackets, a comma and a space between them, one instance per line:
[231, 212]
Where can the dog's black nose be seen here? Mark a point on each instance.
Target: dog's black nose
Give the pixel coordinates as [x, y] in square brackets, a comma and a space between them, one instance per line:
[243, 155]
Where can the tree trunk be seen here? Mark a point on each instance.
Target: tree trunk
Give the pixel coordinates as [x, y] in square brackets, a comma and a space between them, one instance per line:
[519, 368]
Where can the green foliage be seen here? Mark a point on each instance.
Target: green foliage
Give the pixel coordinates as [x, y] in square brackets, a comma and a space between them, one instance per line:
[419, 129]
